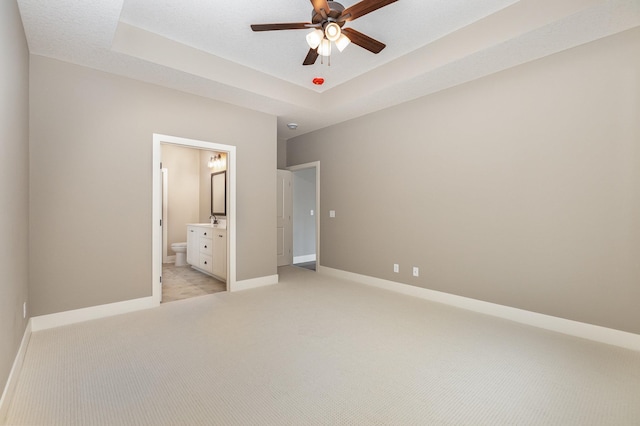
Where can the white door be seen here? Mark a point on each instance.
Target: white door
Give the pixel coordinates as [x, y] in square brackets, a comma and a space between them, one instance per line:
[285, 225]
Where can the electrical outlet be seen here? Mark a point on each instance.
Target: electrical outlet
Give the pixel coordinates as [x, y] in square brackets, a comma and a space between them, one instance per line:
[24, 310]
[311, 214]
[416, 271]
[396, 268]
[332, 213]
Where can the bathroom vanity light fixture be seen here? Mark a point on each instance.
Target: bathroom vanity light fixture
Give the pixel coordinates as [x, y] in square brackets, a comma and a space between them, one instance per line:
[215, 161]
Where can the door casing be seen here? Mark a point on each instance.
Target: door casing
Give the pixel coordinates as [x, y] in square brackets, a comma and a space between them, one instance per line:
[311, 165]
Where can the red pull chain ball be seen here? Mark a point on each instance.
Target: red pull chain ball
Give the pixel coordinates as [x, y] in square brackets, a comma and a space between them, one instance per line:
[318, 81]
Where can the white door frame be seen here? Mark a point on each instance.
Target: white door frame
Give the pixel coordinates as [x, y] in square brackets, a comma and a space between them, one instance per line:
[313, 165]
[156, 215]
[165, 214]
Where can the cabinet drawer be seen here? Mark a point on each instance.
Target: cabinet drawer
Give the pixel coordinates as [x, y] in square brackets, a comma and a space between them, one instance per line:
[206, 246]
[206, 262]
[205, 232]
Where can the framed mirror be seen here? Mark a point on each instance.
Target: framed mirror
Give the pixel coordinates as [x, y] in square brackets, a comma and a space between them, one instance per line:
[219, 193]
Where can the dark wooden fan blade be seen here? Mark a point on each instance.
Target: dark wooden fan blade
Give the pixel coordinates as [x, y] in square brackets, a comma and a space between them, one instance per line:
[311, 57]
[287, 26]
[362, 8]
[321, 7]
[364, 41]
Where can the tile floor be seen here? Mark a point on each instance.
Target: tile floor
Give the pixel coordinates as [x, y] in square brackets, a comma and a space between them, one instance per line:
[183, 282]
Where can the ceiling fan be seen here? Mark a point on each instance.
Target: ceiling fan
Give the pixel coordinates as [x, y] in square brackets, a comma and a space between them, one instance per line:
[328, 18]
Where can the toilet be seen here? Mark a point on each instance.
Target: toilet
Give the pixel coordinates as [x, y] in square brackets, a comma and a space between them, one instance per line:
[180, 250]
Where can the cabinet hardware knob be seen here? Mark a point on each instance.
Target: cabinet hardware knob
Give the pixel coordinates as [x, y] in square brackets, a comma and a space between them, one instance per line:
[205, 246]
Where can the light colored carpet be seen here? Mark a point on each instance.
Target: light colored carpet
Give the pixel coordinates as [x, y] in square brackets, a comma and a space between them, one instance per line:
[315, 350]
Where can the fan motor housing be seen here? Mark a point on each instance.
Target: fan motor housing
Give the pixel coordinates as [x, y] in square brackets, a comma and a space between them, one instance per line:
[332, 15]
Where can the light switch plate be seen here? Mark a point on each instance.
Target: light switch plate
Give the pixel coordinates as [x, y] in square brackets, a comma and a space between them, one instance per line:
[396, 268]
[416, 271]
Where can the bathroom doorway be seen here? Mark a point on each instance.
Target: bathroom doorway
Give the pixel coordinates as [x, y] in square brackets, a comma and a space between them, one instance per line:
[306, 219]
[182, 178]
[186, 202]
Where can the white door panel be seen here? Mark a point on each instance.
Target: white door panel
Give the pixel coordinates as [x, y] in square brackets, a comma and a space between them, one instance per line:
[281, 244]
[285, 225]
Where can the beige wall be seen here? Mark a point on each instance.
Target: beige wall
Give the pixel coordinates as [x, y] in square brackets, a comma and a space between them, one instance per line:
[521, 188]
[90, 171]
[14, 183]
[183, 190]
[282, 153]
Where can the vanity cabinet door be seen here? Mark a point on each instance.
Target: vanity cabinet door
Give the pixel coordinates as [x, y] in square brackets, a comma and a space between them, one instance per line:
[220, 253]
[193, 246]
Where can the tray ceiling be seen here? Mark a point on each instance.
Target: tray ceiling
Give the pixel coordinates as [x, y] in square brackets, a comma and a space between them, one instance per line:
[207, 47]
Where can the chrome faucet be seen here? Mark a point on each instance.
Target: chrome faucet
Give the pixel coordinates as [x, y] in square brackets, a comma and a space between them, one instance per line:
[214, 219]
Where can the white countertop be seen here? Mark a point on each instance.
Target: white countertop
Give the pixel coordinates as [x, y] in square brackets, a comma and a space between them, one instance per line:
[219, 225]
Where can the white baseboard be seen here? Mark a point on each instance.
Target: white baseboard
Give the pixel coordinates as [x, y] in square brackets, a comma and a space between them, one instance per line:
[44, 322]
[12, 380]
[561, 325]
[170, 259]
[255, 282]
[305, 258]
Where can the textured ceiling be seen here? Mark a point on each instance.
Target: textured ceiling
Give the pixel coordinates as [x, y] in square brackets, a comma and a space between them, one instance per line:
[223, 30]
[206, 47]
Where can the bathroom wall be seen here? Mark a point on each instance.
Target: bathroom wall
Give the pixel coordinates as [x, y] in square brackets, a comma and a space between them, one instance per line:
[521, 188]
[14, 184]
[183, 168]
[91, 137]
[189, 183]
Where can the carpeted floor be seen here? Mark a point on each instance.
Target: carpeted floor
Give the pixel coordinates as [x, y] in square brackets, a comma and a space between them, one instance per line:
[314, 350]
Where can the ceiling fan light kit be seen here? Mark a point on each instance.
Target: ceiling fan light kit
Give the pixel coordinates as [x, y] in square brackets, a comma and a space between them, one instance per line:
[328, 18]
[332, 31]
[325, 48]
[314, 38]
[342, 42]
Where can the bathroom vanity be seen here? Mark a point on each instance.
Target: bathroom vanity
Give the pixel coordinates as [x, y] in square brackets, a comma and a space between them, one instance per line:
[207, 249]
